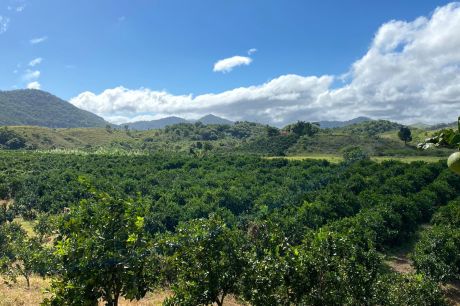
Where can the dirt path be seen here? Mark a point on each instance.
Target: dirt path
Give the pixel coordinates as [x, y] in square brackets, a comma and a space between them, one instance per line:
[401, 263]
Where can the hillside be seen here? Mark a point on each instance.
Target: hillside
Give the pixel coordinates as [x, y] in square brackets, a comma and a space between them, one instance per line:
[336, 124]
[39, 108]
[211, 119]
[376, 138]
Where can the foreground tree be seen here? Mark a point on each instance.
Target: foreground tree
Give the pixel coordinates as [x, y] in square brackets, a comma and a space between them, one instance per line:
[208, 259]
[21, 255]
[103, 253]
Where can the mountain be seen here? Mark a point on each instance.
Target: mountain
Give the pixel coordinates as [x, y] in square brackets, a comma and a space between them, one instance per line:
[162, 123]
[39, 108]
[155, 124]
[334, 124]
[211, 119]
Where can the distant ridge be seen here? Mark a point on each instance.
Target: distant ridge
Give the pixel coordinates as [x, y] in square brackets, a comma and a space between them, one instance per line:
[335, 124]
[39, 108]
[162, 123]
[155, 124]
[211, 119]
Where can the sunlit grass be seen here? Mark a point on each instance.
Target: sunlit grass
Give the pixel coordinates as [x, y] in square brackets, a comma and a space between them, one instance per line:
[99, 151]
[337, 158]
[28, 226]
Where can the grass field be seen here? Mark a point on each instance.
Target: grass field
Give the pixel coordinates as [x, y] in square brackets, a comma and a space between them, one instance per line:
[337, 158]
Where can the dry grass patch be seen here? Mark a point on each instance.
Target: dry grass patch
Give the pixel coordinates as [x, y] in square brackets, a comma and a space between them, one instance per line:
[19, 295]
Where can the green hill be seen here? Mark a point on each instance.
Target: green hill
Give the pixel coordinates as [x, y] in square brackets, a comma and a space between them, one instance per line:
[376, 138]
[39, 108]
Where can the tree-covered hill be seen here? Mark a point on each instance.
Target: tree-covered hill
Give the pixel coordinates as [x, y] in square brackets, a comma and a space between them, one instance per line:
[39, 108]
[376, 138]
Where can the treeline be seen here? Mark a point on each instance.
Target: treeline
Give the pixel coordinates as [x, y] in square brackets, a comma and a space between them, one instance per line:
[242, 137]
[270, 232]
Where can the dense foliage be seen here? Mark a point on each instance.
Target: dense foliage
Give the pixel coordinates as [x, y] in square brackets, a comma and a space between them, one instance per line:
[11, 140]
[437, 254]
[269, 231]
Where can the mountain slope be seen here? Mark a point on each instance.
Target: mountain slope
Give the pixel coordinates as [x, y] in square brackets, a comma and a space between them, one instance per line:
[211, 119]
[336, 124]
[155, 124]
[162, 123]
[39, 108]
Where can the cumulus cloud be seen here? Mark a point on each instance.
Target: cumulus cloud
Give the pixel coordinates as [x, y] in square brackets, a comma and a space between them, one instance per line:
[34, 85]
[268, 102]
[252, 51]
[227, 64]
[38, 40]
[35, 62]
[410, 73]
[4, 24]
[30, 75]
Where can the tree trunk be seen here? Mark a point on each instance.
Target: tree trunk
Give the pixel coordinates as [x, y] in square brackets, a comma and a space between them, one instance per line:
[221, 302]
[28, 282]
[115, 299]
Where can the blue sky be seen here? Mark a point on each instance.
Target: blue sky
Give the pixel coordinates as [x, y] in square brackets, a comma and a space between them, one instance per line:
[171, 47]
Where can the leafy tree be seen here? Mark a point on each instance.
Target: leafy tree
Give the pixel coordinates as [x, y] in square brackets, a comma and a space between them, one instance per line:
[393, 289]
[272, 131]
[207, 146]
[301, 128]
[354, 154]
[405, 134]
[9, 139]
[437, 254]
[22, 255]
[332, 269]
[103, 252]
[208, 259]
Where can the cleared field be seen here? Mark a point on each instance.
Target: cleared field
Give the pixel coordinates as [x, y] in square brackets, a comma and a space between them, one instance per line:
[337, 158]
[409, 159]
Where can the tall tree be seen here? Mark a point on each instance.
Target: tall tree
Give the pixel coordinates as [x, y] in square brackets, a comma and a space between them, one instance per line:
[405, 134]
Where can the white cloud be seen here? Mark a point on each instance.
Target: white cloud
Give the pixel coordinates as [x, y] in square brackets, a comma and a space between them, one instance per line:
[20, 8]
[252, 51]
[38, 40]
[411, 73]
[30, 75]
[35, 62]
[267, 102]
[4, 24]
[227, 64]
[34, 85]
